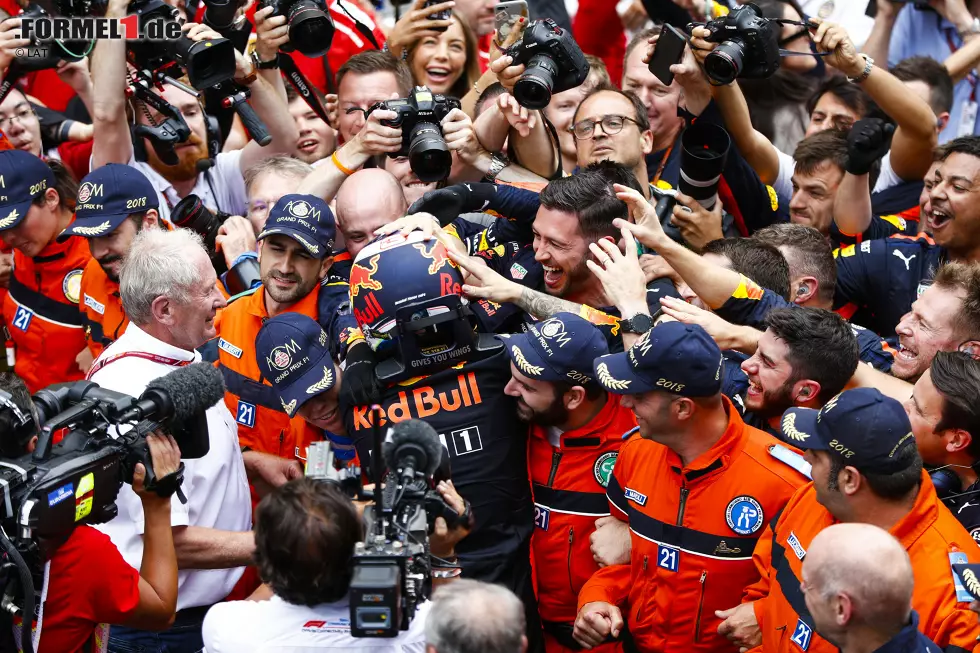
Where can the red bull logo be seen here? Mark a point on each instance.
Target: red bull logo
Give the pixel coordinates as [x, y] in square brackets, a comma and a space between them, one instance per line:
[363, 277]
[437, 253]
[423, 402]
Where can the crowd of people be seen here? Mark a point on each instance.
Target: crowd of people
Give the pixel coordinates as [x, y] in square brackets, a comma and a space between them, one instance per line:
[701, 351]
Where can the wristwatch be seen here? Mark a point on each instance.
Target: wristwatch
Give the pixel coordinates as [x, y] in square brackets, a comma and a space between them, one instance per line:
[264, 65]
[869, 63]
[639, 323]
[972, 30]
[498, 162]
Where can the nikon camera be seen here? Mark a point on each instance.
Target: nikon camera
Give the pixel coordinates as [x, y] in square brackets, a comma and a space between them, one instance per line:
[420, 116]
[749, 46]
[553, 63]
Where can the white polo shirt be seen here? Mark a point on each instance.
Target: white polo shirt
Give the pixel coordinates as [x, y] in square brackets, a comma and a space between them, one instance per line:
[215, 485]
[281, 627]
[222, 187]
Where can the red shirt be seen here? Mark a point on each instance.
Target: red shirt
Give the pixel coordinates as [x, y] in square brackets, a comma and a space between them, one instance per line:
[87, 583]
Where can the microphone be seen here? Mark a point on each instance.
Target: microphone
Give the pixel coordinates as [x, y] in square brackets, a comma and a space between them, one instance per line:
[178, 401]
[203, 165]
[413, 447]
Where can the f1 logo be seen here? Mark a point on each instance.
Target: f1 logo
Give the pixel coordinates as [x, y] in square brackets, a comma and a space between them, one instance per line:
[245, 415]
[802, 635]
[22, 318]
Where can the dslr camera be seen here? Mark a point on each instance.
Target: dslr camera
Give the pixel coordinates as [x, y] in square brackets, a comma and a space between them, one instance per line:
[749, 46]
[208, 63]
[553, 63]
[419, 116]
[310, 26]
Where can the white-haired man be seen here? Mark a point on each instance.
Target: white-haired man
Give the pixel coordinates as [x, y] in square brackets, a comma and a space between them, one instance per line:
[167, 284]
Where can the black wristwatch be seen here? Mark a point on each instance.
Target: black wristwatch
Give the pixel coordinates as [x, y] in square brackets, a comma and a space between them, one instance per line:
[265, 65]
[639, 323]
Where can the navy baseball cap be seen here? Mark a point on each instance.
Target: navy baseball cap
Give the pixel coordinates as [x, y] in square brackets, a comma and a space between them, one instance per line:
[673, 357]
[561, 348]
[867, 429]
[23, 178]
[306, 219]
[292, 353]
[106, 197]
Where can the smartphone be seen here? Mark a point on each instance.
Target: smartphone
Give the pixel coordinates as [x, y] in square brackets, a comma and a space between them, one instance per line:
[439, 15]
[507, 16]
[668, 51]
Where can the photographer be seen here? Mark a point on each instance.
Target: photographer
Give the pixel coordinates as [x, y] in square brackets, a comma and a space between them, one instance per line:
[79, 596]
[221, 187]
[305, 533]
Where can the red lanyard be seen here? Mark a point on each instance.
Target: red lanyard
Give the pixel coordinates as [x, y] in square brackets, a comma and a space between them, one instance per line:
[156, 358]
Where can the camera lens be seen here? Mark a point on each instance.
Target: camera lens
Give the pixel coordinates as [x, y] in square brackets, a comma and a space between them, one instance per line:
[207, 62]
[705, 151]
[428, 154]
[310, 29]
[725, 62]
[533, 89]
[190, 213]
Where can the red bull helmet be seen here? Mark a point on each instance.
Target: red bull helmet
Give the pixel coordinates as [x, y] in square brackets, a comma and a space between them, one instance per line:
[405, 294]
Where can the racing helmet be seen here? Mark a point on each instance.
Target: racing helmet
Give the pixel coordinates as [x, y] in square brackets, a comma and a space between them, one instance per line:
[405, 294]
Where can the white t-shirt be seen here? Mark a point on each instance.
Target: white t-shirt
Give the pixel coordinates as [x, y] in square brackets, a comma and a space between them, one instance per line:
[787, 166]
[215, 485]
[222, 187]
[275, 626]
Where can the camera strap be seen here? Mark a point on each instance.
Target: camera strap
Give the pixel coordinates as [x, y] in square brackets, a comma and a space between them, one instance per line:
[361, 27]
[156, 358]
[302, 85]
[794, 53]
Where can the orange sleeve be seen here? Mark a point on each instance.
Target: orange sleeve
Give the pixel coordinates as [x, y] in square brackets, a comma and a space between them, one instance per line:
[609, 584]
[762, 557]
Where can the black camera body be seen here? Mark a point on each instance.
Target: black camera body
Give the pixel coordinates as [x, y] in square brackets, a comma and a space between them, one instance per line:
[207, 63]
[56, 50]
[553, 63]
[749, 46]
[310, 26]
[420, 116]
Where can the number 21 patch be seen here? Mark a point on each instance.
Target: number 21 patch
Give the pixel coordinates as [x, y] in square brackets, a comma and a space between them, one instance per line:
[245, 415]
[802, 635]
[667, 557]
[22, 318]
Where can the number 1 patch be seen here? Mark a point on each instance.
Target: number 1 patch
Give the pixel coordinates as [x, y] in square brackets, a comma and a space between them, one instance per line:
[245, 415]
[22, 318]
[802, 635]
[668, 557]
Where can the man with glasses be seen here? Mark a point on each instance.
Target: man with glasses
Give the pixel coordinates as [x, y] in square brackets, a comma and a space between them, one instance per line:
[19, 123]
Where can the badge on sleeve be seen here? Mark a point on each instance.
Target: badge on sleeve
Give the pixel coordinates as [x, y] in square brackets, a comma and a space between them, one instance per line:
[959, 558]
[744, 515]
[72, 286]
[603, 467]
[802, 635]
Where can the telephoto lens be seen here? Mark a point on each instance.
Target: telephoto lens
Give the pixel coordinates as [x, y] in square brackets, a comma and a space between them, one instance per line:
[704, 153]
[724, 63]
[428, 154]
[190, 213]
[533, 89]
[310, 28]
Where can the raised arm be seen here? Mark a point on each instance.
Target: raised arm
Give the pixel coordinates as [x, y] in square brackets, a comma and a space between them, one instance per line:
[111, 137]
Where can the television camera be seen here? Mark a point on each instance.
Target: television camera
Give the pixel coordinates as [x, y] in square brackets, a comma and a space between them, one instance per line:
[47, 493]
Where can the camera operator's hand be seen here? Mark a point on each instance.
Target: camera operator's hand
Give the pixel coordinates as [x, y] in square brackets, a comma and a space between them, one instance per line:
[868, 141]
[635, 17]
[9, 41]
[595, 622]
[697, 225]
[610, 542]
[416, 25]
[443, 541]
[165, 455]
[645, 223]
[507, 74]
[831, 37]
[621, 275]
[267, 472]
[446, 204]
[740, 626]
[76, 75]
[375, 138]
[699, 46]
[235, 237]
[484, 283]
[457, 129]
[271, 33]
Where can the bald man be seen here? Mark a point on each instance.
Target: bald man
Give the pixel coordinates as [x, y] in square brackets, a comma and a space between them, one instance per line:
[857, 583]
[367, 200]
